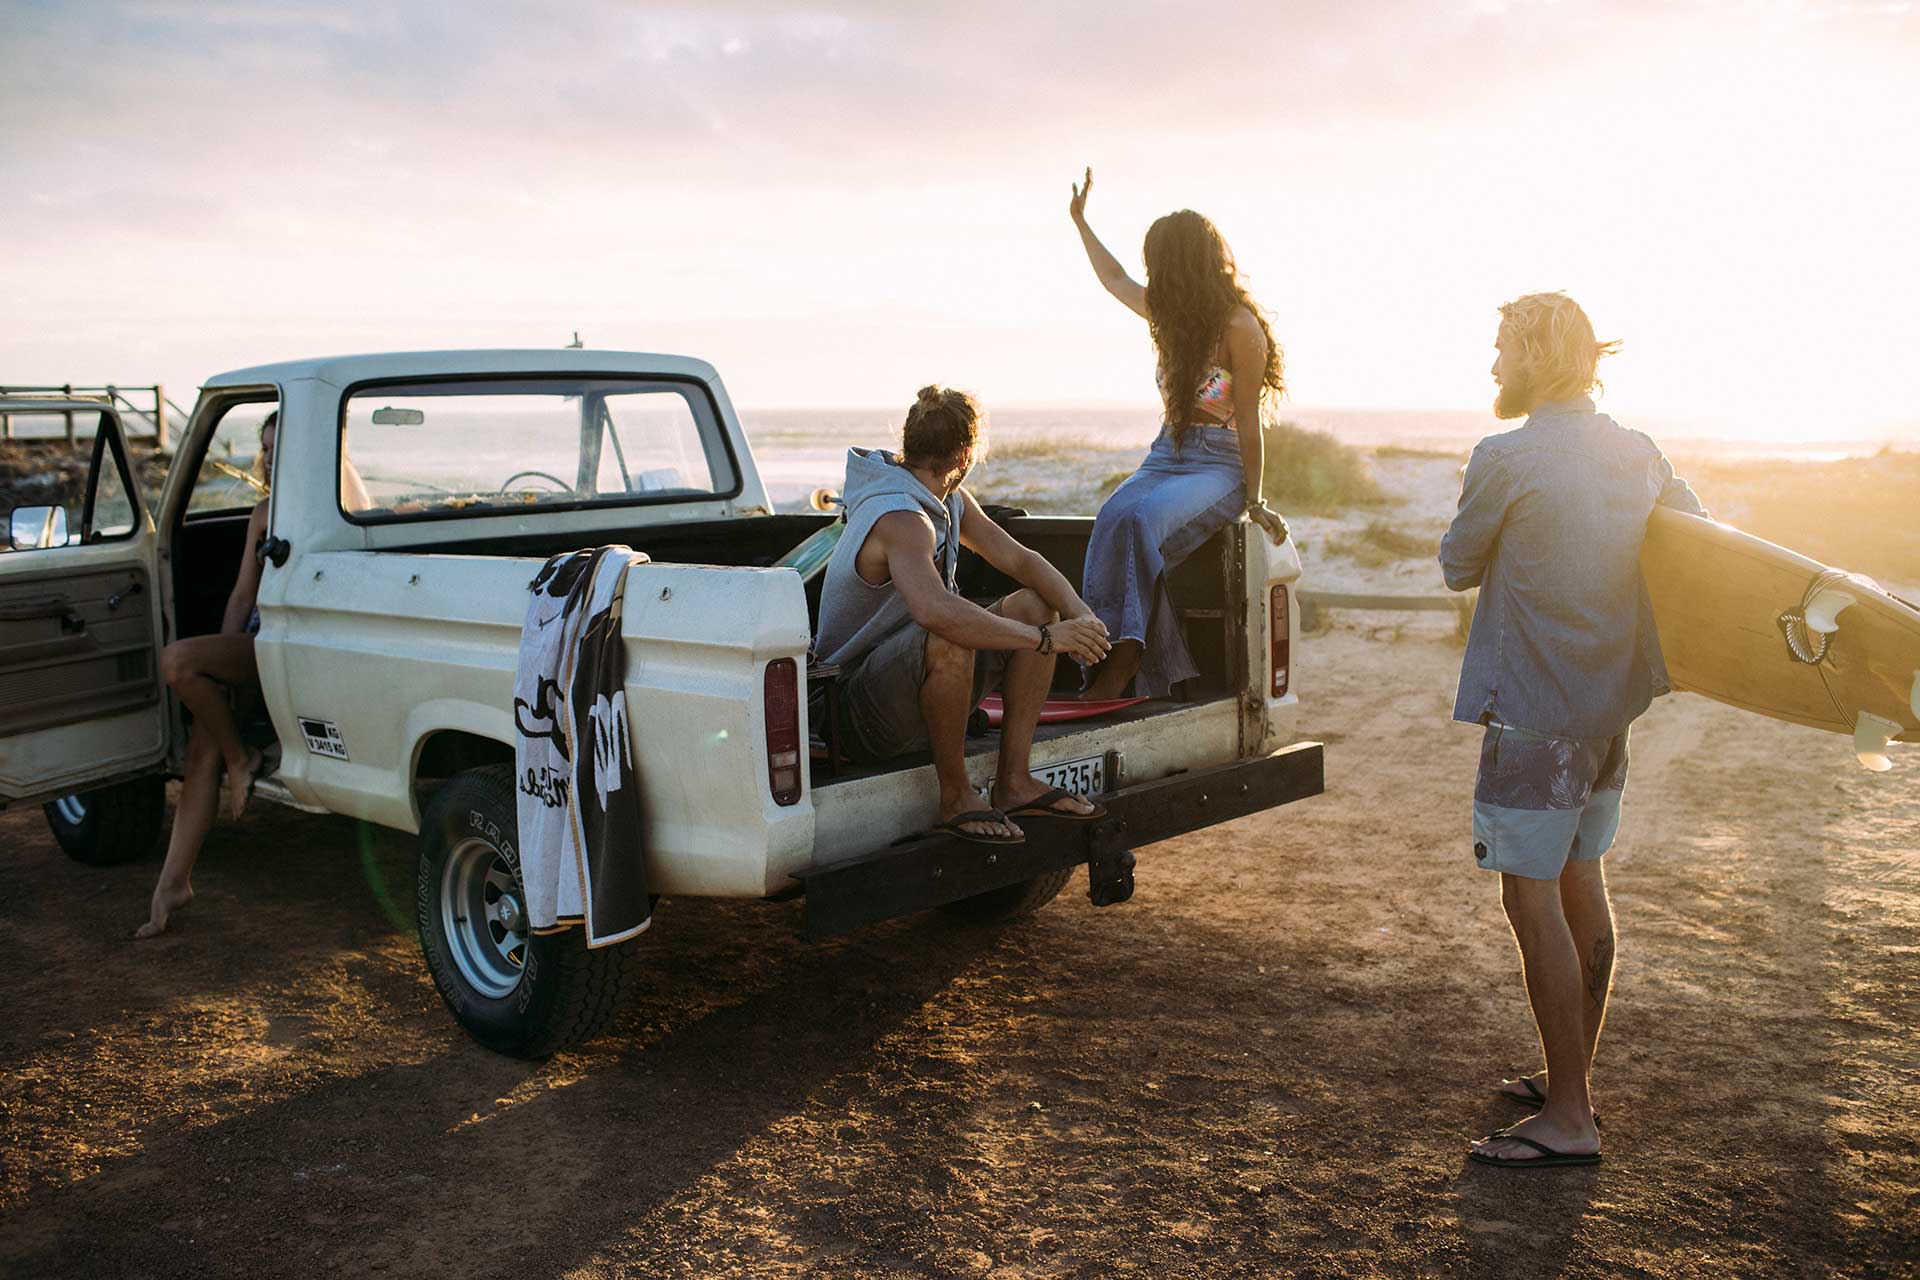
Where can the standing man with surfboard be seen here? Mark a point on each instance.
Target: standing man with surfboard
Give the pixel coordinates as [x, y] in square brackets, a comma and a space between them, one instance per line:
[1562, 658]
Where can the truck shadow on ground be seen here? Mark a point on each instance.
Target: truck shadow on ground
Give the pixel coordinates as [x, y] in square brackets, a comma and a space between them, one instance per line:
[468, 1158]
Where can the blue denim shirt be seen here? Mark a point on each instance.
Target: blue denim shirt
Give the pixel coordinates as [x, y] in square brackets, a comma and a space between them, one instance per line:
[1551, 519]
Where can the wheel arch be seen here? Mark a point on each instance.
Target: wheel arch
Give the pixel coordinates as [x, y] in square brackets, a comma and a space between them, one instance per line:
[450, 737]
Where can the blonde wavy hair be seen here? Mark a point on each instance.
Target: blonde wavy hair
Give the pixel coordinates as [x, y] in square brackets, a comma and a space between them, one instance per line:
[1553, 341]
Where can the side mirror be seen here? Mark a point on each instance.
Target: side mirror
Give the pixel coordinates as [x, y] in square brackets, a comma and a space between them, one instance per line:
[31, 528]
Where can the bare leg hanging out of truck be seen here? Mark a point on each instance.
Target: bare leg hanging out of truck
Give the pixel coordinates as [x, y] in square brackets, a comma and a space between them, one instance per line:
[192, 819]
[201, 670]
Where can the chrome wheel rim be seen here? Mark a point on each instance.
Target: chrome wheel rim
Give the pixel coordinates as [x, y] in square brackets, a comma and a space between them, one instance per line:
[72, 810]
[484, 918]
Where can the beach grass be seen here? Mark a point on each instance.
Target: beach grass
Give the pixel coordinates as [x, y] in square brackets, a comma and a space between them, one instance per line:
[1029, 449]
[1314, 473]
[1398, 452]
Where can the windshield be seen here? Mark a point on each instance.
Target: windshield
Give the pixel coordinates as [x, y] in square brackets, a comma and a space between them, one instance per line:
[481, 446]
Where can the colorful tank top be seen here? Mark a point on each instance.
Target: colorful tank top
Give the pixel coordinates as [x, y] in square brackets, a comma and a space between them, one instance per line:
[1213, 403]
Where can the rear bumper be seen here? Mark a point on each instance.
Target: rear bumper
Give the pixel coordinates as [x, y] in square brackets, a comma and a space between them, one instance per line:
[930, 871]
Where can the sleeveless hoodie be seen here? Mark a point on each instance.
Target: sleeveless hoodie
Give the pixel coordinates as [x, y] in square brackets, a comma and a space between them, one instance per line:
[855, 615]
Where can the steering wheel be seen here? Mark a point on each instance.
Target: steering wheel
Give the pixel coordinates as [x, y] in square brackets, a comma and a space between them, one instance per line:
[507, 484]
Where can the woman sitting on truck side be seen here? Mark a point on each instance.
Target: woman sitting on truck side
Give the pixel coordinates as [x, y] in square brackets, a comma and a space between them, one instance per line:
[203, 671]
[1217, 362]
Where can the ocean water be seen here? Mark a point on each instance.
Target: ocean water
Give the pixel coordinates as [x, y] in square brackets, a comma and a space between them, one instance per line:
[799, 450]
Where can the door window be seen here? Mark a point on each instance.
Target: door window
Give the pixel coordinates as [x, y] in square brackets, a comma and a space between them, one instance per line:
[110, 505]
[232, 478]
[65, 501]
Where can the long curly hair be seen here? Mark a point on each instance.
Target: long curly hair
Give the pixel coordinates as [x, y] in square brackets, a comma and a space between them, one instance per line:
[1193, 289]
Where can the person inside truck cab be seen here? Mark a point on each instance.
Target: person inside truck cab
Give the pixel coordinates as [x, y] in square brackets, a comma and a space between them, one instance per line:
[1218, 364]
[205, 672]
[915, 656]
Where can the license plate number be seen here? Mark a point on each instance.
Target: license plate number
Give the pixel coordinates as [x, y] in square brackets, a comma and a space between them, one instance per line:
[1084, 777]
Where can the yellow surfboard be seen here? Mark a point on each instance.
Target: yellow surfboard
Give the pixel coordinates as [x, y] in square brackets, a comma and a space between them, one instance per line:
[1768, 630]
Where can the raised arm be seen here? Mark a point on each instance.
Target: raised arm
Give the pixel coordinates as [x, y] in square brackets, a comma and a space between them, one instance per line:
[1113, 276]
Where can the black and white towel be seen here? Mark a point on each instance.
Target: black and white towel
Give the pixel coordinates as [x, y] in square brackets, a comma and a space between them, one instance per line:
[581, 857]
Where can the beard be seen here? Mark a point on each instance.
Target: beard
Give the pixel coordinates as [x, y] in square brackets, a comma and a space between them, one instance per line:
[1515, 398]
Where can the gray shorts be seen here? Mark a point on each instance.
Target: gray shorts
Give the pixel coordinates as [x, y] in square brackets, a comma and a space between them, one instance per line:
[1542, 801]
[879, 702]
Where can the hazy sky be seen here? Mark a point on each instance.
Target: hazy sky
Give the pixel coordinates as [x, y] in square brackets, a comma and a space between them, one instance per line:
[837, 202]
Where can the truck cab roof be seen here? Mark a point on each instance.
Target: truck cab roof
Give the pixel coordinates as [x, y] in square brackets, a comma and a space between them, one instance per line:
[341, 371]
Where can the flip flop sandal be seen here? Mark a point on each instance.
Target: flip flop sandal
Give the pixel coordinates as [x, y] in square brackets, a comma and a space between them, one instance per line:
[1547, 1159]
[1041, 806]
[953, 825]
[1536, 1099]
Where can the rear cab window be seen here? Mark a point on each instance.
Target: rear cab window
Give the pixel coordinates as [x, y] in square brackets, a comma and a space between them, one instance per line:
[466, 447]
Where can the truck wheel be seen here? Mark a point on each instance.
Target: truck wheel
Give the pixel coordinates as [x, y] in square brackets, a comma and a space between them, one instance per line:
[113, 824]
[515, 991]
[1012, 901]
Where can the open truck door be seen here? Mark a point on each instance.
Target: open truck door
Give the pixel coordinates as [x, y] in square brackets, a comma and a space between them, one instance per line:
[83, 724]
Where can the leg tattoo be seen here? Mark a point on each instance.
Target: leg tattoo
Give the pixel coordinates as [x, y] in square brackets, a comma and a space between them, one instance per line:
[1600, 970]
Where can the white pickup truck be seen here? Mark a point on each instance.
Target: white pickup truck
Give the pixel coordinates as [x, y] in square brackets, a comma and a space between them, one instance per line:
[413, 498]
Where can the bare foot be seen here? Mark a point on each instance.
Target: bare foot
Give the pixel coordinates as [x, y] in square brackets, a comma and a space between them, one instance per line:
[240, 785]
[1014, 793]
[1548, 1131]
[1111, 678]
[167, 903]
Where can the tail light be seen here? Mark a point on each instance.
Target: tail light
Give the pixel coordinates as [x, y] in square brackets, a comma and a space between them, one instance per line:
[1280, 636]
[782, 703]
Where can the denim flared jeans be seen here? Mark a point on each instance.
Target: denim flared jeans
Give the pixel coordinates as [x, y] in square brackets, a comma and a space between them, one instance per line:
[1180, 497]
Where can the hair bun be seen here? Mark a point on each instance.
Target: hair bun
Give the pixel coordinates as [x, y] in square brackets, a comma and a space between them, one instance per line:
[941, 423]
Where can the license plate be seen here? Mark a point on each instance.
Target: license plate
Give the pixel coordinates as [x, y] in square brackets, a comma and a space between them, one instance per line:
[1085, 777]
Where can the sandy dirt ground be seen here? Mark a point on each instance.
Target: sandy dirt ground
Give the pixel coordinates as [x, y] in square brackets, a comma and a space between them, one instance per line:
[1269, 1063]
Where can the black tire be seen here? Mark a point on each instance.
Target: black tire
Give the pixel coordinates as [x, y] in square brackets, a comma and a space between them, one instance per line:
[530, 995]
[997, 906]
[112, 825]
